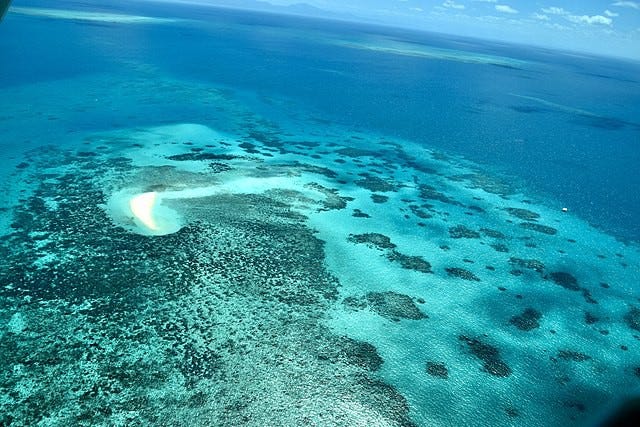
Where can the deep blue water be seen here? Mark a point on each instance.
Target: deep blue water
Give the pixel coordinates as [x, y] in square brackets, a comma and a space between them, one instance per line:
[587, 163]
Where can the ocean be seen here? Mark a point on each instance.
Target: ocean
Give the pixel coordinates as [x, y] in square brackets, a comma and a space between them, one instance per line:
[219, 217]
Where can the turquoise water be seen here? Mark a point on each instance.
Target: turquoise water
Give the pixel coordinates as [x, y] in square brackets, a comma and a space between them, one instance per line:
[212, 217]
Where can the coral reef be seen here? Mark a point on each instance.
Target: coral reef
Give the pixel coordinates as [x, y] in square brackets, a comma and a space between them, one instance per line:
[527, 320]
[523, 214]
[373, 240]
[492, 363]
[416, 263]
[462, 232]
[462, 273]
[544, 229]
[438, 370]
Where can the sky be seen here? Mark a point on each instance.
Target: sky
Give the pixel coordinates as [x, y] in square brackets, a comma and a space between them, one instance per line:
[606, 27]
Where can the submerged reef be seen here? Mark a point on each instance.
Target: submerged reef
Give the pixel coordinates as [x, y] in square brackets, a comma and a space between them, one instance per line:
[544, 229]
[373, 240]
[462, 232]
[528, 320]
[492, 363]
[206, 326]
[572, 356]
[416, 263]
[375, 184]
[202, 156]
[524, 214]
[494, 234]
[632, 318]
[390, 305]
[379, 198]
[351, 352]
[427, 192]
[333, 199]
[462, 273]
[438, 370]
[564, 279]
[382, 242]
[530, 264]
[490, 184]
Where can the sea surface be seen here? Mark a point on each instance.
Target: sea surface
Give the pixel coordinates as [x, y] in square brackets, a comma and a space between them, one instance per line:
[212, 217]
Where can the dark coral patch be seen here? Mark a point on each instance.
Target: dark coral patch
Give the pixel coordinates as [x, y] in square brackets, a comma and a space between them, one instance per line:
[530, 264]
[218, 167]
[359, 214]
[494, 234]
[379, 198]
[352, 352]
[373, 183]
[333, 200]
[356, 152]
[428, 192]
[573, 356]
[438, 370]
[527, 320]
[632, 318]
[586, 293]
[420, 213]
[462, 232]
[512, 412]
[201, 156]
[590, 318]
[539, 228]
[462, 273]
[489, 355]
[499, 247]
[564, 279]
[86, 154]
[374, 240]
[524, 214]
[416, 263]
[355, 303]
[394, 306]
[315, 169]
[490, 184]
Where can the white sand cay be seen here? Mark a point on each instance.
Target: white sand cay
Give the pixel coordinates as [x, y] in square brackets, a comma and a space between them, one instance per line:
[142, 208]
[144, 213]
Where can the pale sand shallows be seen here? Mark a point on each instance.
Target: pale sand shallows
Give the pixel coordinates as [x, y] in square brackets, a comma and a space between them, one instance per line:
[429, 52]
[90, 16]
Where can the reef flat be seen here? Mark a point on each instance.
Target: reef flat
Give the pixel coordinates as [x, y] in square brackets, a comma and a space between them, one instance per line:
[281, 268]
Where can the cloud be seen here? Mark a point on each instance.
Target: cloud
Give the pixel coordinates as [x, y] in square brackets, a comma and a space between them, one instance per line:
[416, 9]
[631, 4]
[578, 19]
[505, 8]
[554, 10]
[611, 14]
[453, 5]
[541, 17]
[596, 19]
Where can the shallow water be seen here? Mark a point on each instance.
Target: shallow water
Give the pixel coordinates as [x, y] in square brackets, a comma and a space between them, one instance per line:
[342, 224]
